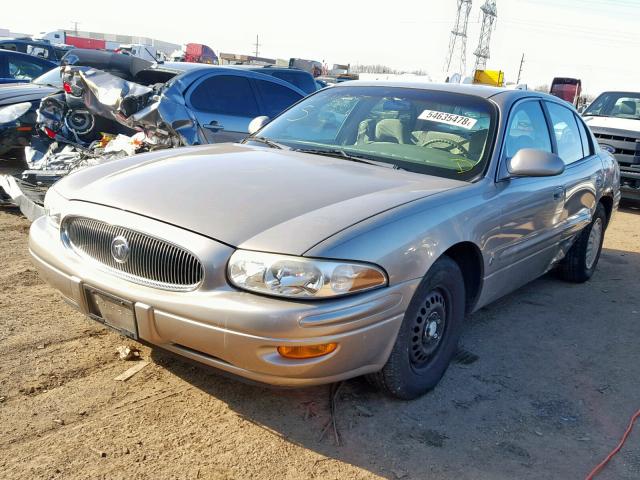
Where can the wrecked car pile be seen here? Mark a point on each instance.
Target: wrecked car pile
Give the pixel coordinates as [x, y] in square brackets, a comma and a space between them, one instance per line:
[111, 106]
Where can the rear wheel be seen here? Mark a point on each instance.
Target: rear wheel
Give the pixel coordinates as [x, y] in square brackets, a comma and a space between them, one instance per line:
[581, 260]
[428, 336]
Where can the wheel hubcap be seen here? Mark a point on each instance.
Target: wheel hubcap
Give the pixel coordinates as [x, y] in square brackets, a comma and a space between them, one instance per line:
[593, 243]
[428, 328]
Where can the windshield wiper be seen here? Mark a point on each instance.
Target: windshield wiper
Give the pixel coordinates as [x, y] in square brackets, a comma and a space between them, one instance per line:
[266, 141]
[339, 153]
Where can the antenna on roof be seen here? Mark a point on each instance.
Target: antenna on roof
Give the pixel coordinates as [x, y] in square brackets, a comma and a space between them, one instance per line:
[257, 47]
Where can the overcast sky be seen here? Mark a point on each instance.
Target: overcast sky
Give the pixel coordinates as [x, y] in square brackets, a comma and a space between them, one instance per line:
[595, 40]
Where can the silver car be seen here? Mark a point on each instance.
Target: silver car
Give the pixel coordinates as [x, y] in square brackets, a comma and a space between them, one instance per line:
[348, 236]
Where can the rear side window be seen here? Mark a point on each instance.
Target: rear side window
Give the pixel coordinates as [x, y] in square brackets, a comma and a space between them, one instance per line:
[584, 136]
[301, 80]
[226, 95]
[527, 129]
[275, 98]
[38, 51]
[567, 134]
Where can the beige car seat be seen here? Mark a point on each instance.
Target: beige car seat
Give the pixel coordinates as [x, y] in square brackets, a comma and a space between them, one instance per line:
[390, 130]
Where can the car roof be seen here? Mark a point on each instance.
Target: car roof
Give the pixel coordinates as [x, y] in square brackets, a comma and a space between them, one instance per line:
[268, 67]
[182, 66]
[25, 40]
[483, 91]
[25, 56]
[624, 92]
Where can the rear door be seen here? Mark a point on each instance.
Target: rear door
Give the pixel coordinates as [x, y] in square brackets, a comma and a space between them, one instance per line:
[583, 175]
[274, 97]
[224, 103]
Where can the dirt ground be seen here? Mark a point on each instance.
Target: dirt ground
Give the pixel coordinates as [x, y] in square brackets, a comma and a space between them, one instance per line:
[549, 394]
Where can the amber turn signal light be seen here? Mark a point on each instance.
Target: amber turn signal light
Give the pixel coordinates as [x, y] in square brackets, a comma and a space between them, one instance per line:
[307, 351]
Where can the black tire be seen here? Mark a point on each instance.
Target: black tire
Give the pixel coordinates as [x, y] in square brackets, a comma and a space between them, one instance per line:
[425, 343]
[581, 260]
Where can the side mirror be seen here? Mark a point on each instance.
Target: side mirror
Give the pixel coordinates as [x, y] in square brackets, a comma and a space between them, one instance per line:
[529, 162]
[257, 123]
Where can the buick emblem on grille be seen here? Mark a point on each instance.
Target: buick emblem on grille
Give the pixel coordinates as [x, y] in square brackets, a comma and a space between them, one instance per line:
[120, 249]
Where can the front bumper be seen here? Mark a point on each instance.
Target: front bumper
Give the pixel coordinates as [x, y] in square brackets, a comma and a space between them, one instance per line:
[231, 330]
[630, 183]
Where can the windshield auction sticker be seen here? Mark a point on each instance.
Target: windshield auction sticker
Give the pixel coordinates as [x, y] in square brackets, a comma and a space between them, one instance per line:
[448, 118]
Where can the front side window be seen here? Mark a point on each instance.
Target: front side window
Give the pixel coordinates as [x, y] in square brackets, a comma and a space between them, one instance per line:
[24, 70]
[566, 131]
[275, 98]
[527, 128]
[225, 95]
[439, 133]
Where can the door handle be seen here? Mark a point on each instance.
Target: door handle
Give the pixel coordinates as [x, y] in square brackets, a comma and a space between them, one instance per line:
[214, 126]
[559, 193]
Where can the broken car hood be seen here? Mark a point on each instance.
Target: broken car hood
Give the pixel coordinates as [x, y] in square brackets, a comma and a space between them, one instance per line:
[250, 197]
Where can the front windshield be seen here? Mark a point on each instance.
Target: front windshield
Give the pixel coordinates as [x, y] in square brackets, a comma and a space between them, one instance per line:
[52, 77]
[615, 104]
[425, 131]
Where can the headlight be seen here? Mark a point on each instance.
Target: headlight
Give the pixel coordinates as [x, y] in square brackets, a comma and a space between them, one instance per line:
[13, 112]
[53, 205]
[299, 277]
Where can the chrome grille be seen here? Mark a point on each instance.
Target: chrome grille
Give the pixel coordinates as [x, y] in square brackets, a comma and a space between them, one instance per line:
[151, 261]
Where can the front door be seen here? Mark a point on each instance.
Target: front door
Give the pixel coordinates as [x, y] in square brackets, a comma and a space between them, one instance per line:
[532, 208]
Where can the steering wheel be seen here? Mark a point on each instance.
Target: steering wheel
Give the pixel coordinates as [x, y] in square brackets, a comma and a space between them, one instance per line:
[452, 144]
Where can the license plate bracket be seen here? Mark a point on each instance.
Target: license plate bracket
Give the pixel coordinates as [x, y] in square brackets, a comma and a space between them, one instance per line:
[112, 311]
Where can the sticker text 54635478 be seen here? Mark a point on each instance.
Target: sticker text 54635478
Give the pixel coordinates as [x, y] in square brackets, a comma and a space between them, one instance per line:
[448, 118]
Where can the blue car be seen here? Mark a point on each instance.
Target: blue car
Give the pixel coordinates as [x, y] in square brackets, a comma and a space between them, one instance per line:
[16, 67]
[180, 103]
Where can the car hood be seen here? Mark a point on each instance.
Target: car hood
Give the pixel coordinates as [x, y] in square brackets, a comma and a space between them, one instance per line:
[251, 197]
[627, 124]
[23, 92]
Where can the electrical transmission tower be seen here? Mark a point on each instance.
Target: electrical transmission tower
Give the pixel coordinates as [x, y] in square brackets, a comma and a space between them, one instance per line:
[458, 41]
[489, 17]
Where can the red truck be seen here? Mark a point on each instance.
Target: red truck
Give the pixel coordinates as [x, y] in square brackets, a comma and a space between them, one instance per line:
[568, 89]
[199, 53]
[81, 42]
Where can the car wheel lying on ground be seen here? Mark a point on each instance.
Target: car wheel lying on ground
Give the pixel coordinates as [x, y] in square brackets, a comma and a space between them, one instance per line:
[349, 236]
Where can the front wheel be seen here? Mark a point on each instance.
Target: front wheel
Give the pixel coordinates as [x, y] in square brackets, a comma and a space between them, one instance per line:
[581, 260]
[428, 336]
